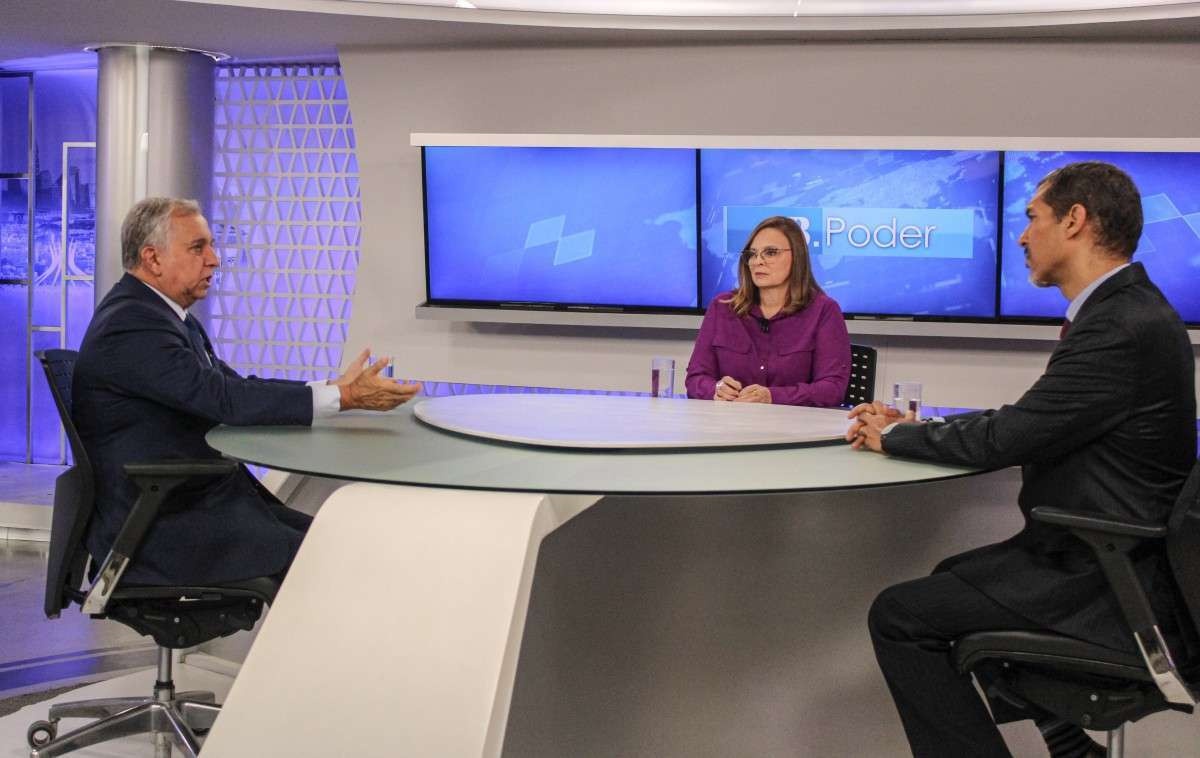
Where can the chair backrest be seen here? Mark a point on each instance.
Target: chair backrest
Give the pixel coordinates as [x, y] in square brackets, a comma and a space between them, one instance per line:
[1183, 543]
[74, 494]
[861, 388]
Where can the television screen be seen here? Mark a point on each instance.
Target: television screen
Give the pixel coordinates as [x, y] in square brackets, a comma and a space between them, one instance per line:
[891, 232]
[1170, 246]
[561, 225]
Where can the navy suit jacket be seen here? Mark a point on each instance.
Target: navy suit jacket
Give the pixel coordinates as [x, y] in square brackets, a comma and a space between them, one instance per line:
[1109, 428]
[141, 393]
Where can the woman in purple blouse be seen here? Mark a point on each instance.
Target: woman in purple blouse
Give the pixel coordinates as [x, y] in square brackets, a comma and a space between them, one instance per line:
[777, 338]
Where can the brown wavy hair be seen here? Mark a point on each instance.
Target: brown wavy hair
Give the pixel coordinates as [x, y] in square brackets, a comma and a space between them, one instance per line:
[802, 287]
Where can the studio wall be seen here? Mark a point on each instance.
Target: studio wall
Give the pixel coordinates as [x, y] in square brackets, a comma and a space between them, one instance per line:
[995, 88]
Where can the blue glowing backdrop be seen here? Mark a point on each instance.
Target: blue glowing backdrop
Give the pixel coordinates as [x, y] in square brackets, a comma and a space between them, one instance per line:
[47, 260]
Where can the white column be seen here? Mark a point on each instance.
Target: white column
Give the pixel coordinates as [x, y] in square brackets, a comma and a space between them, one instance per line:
[154, 137]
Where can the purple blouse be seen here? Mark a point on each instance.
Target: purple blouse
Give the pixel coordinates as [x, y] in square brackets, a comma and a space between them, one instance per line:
[803, 357]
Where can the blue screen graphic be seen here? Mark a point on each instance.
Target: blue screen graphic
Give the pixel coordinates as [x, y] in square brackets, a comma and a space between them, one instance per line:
[1170, 246]
[892, 232]
[599, 226]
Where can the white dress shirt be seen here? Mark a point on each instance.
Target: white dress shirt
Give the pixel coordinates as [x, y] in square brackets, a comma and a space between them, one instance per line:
[1081, 298]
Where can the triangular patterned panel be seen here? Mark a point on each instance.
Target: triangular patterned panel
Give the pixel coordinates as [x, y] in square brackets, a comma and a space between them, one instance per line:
[333, 286]
[257, 158]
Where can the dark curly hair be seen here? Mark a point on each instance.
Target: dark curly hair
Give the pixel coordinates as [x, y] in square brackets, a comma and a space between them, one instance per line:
[1112, 200]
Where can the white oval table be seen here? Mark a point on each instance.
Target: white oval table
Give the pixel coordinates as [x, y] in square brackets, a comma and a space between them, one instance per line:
[596, 422]
[416, 579]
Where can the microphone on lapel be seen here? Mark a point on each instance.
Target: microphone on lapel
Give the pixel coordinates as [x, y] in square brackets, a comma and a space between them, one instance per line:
[764, 325]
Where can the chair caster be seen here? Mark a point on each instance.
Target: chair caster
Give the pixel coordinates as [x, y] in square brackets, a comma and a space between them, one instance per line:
[41, 733]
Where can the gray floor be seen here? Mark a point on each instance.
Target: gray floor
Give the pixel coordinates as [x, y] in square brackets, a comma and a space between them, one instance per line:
[36, 652]
[29, 484]
[26, 496]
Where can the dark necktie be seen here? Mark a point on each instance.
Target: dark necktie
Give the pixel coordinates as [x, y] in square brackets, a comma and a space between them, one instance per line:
[1066, 327]
[196, 337]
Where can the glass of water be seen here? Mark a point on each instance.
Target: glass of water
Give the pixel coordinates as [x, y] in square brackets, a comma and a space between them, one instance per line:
[662, 377]
[906, 398]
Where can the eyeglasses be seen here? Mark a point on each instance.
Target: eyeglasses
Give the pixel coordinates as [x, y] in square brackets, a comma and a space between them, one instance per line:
[768, 254]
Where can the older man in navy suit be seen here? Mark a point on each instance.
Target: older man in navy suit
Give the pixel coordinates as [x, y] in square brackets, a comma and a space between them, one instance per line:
[1109, 427]
[147, 387]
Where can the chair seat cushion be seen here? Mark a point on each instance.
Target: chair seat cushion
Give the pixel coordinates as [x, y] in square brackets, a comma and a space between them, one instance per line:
[262, 588]
[185, 616]
[1051, 650]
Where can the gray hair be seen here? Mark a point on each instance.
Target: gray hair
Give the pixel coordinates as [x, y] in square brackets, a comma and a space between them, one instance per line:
[148, 223]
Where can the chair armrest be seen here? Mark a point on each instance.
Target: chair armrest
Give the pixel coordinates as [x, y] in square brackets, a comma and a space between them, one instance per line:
[1112, 540]
[1107, 525]
[155, 482]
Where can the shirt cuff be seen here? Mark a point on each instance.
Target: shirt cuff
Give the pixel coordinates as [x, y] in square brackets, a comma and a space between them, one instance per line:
[326, 399]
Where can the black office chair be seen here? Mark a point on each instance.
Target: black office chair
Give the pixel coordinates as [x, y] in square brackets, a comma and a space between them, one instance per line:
[176, 617]
[1092, 686]
[861, 388]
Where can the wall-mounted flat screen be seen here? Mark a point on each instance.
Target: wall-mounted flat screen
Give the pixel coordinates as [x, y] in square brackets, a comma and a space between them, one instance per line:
[1170, 246]
[891, 232]
[561, 225]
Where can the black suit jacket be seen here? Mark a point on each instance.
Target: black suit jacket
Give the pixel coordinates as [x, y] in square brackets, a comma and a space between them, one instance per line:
[1108, 428]
[141, 393]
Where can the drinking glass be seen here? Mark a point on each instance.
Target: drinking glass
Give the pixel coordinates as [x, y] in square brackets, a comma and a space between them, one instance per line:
[906, 398]
[662, 377]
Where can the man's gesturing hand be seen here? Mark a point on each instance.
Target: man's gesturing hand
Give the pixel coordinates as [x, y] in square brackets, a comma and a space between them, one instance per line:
[363, 387]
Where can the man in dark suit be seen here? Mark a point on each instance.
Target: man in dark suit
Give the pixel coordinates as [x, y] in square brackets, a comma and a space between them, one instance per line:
[1109, 427]
[147, 387]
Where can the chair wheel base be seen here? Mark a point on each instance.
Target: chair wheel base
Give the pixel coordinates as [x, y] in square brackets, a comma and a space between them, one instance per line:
[41, 733]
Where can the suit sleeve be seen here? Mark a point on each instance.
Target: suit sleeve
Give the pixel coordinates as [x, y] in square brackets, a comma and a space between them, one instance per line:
[830, 367]
[146, 356]
[1089, 387]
